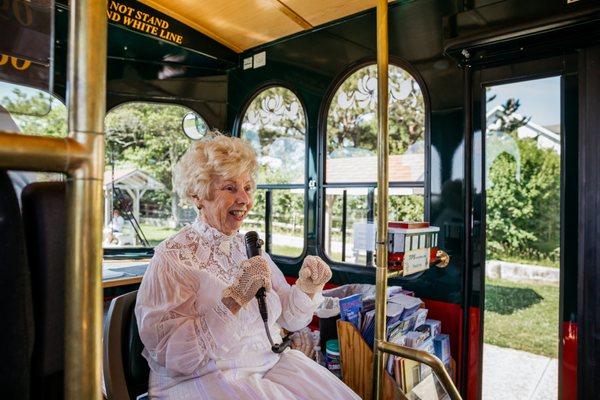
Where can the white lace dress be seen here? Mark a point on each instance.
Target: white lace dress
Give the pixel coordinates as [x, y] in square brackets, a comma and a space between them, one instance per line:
[198, 349]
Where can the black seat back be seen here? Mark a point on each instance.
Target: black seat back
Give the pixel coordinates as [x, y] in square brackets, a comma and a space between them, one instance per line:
[125, 369]
[16, 333]
[44, 217]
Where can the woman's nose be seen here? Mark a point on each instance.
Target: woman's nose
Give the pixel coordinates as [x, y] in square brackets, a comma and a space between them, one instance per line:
[243, 197]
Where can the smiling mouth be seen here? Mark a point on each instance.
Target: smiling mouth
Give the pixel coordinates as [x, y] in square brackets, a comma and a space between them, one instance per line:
[238, 214]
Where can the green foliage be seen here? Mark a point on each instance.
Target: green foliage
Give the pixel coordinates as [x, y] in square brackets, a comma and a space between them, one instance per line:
[275, 125]
[147, 135]
[406, 208]
[523, 217]
[37, 114]
[401, 208]
[354, 126]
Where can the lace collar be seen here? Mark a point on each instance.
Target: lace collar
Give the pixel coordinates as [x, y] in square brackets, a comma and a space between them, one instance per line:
[214, 236]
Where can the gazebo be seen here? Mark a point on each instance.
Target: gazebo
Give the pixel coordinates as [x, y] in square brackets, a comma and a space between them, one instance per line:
[132, 180]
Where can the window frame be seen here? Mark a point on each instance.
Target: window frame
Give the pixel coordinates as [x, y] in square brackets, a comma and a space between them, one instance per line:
[54, 95]
[272, 83]
[140, 252]
[322, 157]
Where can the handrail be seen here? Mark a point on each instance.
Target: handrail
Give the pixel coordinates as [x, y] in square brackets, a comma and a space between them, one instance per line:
[39, 153]
[81, 156]
[423, 357]
[86, 102]
[382, 195]
[382, 274]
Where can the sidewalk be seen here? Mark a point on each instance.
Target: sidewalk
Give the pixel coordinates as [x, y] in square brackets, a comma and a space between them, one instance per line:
[517, 375]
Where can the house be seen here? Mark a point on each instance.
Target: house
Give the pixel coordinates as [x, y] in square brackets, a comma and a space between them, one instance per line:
[547, 137]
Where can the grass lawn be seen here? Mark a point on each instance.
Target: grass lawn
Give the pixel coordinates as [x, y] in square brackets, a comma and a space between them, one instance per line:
[522, 316]
[289, 251]
[156, 234]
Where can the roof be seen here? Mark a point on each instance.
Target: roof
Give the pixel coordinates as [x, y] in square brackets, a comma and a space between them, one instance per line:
[402, 168]
[131, 178]
[242, 25]
[553, 136]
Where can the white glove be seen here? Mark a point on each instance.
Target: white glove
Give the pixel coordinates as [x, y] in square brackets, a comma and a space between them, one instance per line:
[313, 275]
[256, 274]
[304, 341]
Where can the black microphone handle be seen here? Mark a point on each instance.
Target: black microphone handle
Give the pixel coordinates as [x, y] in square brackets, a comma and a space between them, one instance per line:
[261, 297]
[252, 244]
[253, 249]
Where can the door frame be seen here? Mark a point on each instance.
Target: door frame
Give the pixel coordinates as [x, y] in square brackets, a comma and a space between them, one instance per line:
[564, 66]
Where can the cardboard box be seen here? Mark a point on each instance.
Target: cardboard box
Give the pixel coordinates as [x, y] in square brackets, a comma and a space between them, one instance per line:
[441, 347]
[435, 325]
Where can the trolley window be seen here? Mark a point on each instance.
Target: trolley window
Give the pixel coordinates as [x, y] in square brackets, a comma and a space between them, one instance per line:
[29, 111]
[351, 161]
[143, 143]
[275, 124]
[32, 111]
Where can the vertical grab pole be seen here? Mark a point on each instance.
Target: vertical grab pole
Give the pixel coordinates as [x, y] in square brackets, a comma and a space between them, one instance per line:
[382, 194]
[86, 101]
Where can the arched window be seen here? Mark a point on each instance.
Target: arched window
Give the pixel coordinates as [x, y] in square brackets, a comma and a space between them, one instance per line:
[351, 163]
[28, 111]
[275, 124]
[143, 143]
[31, 111]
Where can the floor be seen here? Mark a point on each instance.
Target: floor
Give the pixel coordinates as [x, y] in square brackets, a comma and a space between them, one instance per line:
[517, 375]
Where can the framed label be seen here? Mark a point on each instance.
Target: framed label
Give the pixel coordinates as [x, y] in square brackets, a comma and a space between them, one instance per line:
[416, 261]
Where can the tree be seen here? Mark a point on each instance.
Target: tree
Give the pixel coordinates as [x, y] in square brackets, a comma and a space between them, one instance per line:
[275, 125]
[352, 118]
[523, 212]
[149, 136]
[38, 114]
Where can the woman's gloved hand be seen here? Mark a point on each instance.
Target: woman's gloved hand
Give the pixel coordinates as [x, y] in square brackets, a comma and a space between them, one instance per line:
[304, 341]
[313, 275]
[256, 273]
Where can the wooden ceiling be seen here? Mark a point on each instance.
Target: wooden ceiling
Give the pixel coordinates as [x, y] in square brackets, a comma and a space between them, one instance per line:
[244, 24]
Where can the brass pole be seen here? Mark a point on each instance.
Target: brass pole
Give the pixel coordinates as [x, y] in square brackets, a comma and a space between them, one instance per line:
[382, 194]
[86, 101]
[38, 153]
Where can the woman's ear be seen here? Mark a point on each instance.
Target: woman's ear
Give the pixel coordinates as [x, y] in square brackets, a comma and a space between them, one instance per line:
[197, 202]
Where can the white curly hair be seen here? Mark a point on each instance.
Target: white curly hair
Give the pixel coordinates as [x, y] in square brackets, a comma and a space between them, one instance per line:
[216, 155]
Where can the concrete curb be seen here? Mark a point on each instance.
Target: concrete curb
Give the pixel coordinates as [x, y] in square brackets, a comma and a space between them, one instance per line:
[496, 269]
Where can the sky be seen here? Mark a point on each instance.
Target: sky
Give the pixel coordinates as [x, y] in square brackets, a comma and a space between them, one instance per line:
[540, 99]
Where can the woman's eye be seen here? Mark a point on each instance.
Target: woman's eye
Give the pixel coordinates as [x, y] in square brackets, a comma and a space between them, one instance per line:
[230, 188]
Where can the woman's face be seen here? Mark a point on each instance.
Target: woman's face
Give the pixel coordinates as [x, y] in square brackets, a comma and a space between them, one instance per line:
[231, 200]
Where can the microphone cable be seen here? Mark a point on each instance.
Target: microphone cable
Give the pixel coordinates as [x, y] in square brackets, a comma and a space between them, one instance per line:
[253, 244]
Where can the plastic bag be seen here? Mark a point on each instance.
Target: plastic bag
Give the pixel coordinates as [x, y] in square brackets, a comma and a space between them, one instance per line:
[330, 307]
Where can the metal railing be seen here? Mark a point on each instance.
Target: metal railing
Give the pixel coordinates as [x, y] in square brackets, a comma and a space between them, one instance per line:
[382, 274]
[81, 157]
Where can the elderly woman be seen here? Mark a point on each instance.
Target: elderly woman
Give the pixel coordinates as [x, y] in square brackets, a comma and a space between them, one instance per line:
[196, 308]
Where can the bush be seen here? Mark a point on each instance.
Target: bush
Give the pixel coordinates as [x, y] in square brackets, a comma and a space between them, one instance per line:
[523, 213]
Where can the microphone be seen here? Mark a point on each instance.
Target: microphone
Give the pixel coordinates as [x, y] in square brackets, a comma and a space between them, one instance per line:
[253, 244]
